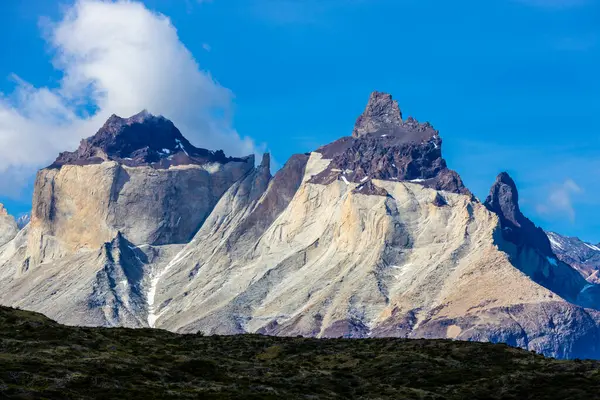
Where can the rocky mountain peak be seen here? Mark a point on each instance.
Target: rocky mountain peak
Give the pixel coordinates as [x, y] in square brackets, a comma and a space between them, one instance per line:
[142, 139]
[266, 161]
[383, 118]
[139, 118]
[3, 211]
[382, 113]
[383, 146]
[504, 199]
[516, 228]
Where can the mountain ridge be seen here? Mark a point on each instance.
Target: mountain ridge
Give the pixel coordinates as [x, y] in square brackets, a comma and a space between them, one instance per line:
[583, 256]
[370, 236]
[142, 139]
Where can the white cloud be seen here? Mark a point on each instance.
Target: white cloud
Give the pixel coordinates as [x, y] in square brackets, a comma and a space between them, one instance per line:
[119, 57]
[560, 200]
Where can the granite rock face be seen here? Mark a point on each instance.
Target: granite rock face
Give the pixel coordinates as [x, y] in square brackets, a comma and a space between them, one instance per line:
[83, 206]
[86, 197]
[371, 235]
[108, 209]
[337, 262]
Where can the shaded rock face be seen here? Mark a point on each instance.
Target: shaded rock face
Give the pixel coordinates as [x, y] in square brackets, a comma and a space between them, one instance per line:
[277, 195]
[84, 206]
[585, 257]
[230, 234]
[117, 289]
[516, 228]
[105, 286]
[115, 183]
[561, 329]
[439, 200]
[368, 188]
[383, 146]
[530, 249]
[143, 139]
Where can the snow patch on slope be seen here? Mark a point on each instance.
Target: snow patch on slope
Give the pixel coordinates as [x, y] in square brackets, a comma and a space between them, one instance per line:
[595, 248]
[555, 242]
[151, 297]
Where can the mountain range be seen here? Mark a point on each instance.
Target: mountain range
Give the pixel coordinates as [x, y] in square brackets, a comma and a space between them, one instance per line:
[369, 236]
[584, 257]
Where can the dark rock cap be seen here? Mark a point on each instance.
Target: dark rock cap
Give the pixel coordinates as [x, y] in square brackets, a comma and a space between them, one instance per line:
[381, 113]
[383, 146]
[142, 139]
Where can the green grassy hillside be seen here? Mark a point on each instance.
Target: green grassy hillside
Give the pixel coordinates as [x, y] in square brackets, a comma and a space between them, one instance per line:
[42, 359]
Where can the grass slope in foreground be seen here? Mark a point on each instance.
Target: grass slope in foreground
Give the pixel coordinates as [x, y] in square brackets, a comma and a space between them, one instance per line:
[42, 359]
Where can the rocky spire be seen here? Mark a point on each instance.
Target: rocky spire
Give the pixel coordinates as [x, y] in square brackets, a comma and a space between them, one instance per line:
[385, 147]
[516, 228]
[504, 199]
[266, 161]
[381, 113]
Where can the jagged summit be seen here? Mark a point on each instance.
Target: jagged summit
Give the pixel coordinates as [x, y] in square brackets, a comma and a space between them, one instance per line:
[142, 139]
[384, 146]
[504, 199]
[266, 160]
[381, 112]
[516, 228]
[383, 117]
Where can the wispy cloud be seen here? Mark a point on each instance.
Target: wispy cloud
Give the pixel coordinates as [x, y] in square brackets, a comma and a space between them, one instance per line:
[116, 57]
[560, 200]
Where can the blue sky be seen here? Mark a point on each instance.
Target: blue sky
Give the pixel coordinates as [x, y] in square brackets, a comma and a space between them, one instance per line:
[511, 84]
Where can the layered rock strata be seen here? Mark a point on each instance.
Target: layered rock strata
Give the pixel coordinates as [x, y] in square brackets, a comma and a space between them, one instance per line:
[371, 235]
